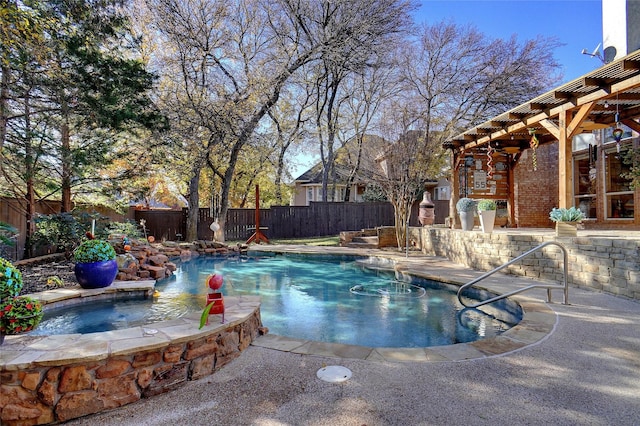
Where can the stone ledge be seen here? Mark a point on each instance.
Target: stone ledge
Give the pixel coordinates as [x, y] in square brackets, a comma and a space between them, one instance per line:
[52, 298]
[149, 360]
[57, 350]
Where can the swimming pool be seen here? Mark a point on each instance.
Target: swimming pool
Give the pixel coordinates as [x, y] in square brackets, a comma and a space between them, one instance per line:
[336, 300]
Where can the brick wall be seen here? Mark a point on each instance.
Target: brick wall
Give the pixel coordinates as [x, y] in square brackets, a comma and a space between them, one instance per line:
[536, 192]
[605, 264]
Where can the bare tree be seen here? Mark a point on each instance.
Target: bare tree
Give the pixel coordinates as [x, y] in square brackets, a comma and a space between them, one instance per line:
[329, 98]
[361, 112]
[453, 77]
[289, 118]
[233, 59]
[459, 77]
[406, 164]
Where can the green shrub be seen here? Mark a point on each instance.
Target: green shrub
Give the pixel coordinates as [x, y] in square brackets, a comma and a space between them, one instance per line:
[373, 193]
[19, 314]
[10, 280]
[94, 251]
[465, 205]
[128, 228]
[65, 231]
[487, 205]
[566, 215]
[8, 234]
[55, 281]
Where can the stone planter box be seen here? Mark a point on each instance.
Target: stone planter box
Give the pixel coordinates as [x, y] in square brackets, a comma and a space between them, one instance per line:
[566, 229]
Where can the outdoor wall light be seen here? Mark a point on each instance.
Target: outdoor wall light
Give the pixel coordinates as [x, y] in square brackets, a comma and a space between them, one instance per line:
[468, 160]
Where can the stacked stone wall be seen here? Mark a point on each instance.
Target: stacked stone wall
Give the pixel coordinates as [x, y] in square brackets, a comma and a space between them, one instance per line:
[387, 236]
[604, 264]
[44, 394]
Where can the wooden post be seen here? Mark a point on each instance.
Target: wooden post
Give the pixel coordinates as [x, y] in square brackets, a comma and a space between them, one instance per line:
[455, 189]
[257, 235]
[565, 188]
[512, 160]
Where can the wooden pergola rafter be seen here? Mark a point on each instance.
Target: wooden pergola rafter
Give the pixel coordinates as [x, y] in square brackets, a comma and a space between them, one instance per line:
[596, 100]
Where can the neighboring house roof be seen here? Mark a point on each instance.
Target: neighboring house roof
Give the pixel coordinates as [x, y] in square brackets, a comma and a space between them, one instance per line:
[345, 157]
[314, 174]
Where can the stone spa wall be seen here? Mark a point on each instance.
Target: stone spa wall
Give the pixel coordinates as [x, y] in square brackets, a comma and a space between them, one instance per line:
[611, 265]
[40, 387]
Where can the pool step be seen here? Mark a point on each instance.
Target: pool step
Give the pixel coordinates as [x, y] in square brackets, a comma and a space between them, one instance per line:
[364, 242]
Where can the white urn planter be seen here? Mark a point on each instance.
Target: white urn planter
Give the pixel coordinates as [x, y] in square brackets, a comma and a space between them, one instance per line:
[466, 220]
[466, 208]
[487, 220]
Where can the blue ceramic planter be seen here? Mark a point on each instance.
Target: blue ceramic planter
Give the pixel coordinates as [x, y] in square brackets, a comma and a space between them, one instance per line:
[96, 274]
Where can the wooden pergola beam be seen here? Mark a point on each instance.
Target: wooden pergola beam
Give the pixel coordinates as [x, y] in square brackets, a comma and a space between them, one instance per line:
[551, 128]
[598, 95]
[516, 115]
[535, 106]
[562, 95]
[632, 124]
[596, 82]
[626, 97]
[578, 118]
[630, 65]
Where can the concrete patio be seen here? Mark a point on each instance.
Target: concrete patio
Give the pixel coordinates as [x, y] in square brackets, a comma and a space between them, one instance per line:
[586, 370]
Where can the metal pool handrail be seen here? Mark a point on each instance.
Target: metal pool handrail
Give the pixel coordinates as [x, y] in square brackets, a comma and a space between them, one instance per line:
[565, 287]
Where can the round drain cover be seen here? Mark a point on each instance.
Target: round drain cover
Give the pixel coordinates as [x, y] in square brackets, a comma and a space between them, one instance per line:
[334, 374]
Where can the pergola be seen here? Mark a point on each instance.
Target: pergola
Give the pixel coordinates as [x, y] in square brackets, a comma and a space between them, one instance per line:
[597, 100]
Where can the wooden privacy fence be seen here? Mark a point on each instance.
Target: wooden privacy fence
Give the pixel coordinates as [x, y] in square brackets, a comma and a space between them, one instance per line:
[441, 211]
[164, 225]
[12, 211]
[317, 219]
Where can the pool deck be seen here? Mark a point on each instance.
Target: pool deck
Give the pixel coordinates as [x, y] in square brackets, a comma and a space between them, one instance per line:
[572, 364]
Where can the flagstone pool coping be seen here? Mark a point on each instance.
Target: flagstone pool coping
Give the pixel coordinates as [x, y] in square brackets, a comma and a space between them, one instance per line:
[23, 351]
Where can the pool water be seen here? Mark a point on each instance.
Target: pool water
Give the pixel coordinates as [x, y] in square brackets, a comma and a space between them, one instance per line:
[329, 300]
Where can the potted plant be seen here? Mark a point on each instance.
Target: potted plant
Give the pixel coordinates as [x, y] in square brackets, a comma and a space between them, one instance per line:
[566, 221]
[487, 214]
[10, 280]
[96, 265]
[466, 208]
[18, 314]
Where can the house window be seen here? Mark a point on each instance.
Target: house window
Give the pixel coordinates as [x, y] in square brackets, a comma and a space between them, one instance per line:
[309, 195]
[584, 184]
[582, 141]
[442, 193]
[618, 191]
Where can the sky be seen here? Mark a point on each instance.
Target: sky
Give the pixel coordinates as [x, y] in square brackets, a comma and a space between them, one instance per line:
[577, 24]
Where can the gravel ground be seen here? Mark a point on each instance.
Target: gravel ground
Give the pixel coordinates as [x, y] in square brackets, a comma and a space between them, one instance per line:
[34, 276]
